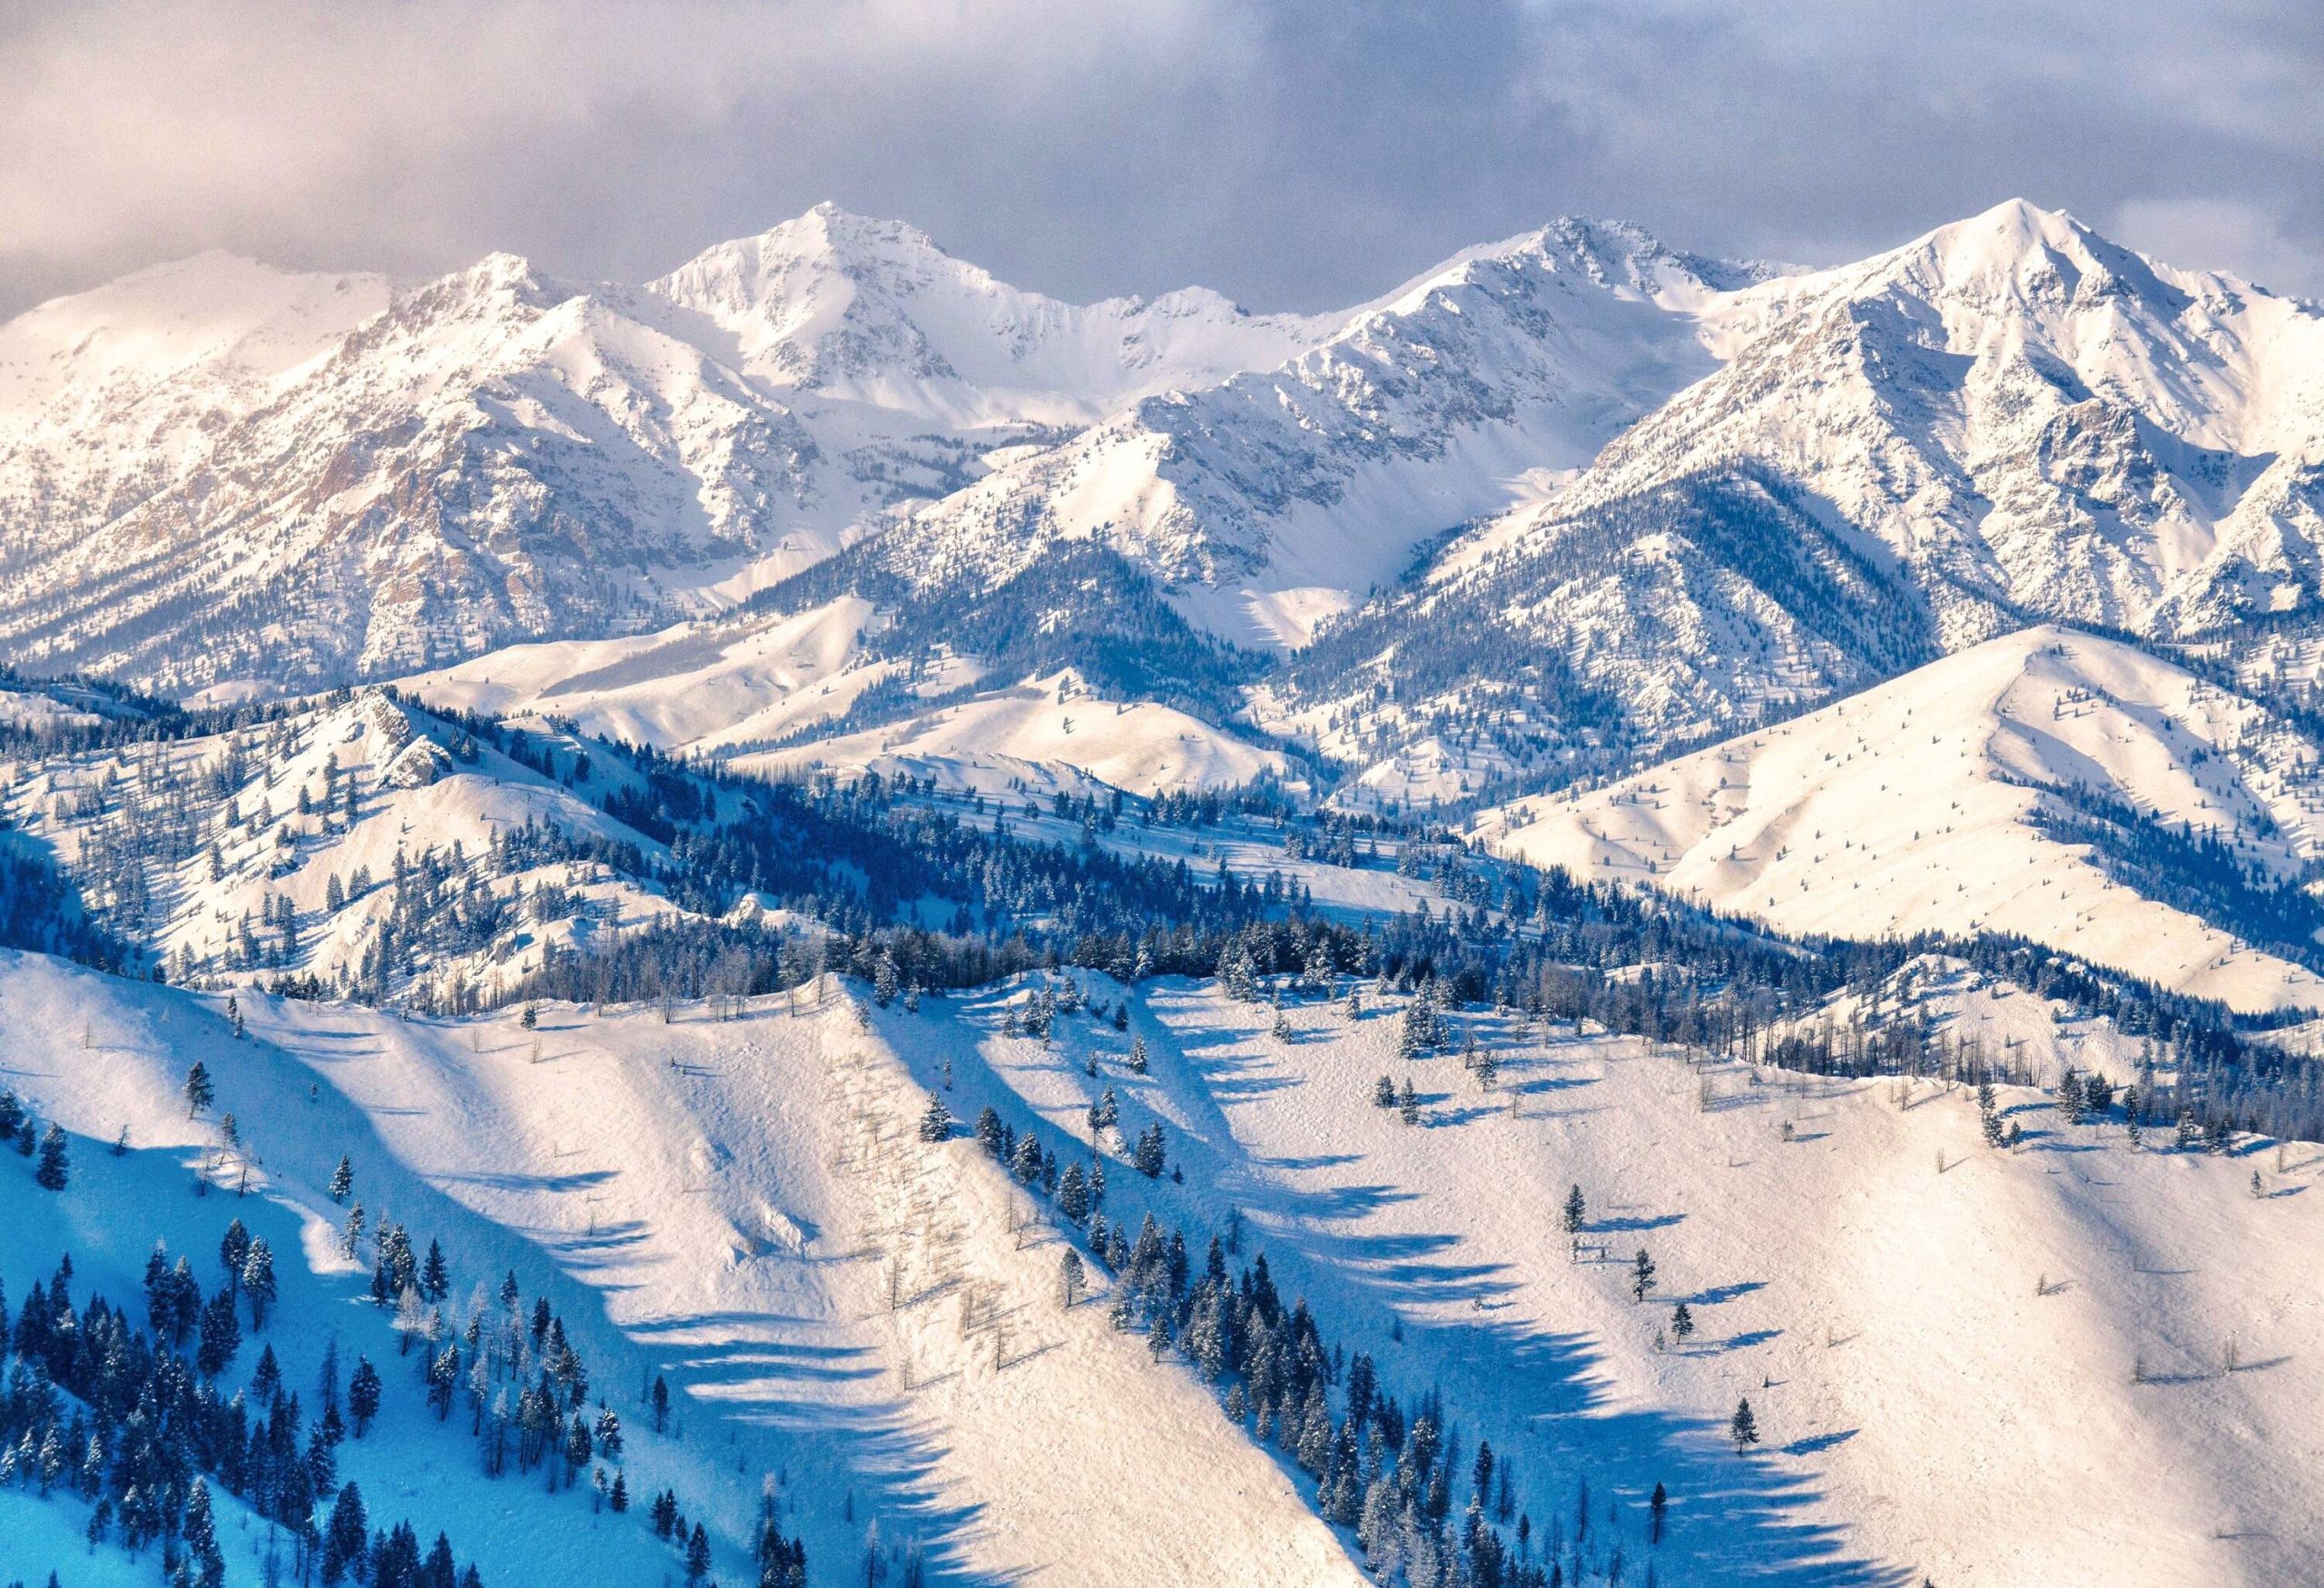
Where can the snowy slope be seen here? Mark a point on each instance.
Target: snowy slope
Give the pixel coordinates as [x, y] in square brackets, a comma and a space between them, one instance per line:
[704, 686]
[1923, 1411]
[721, 1201]
[1041, 734]
[1910, 807]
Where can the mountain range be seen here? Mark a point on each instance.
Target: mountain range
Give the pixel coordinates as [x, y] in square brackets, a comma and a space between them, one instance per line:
[1545, 515]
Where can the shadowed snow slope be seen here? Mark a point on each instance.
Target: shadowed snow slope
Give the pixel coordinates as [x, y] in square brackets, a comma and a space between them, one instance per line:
[744, 1206]
[1923, 804]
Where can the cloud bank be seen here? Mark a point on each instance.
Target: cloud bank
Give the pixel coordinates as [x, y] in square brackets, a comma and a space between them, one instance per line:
[1296, 153]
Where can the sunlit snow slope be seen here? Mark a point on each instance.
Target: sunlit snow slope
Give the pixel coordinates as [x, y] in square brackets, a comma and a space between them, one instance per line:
[1910, 807]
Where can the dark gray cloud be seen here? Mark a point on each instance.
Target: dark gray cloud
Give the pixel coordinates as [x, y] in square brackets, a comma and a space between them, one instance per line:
[1293, 152]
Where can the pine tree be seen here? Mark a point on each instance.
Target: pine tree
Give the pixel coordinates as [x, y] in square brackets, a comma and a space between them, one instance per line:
[363, 1394]
[1408, 1103]
[1641, 1275]
[1069, 1277]
[221, 1335]
[54, 1169]
[199, 1092]
[233, 1248]
[1073, 1194]
[1743, 1428]
[258, 1280]
[936, 1120]
[1138, 1055]
[1576, 1211]
[1384, 1095]
[1682, 1324]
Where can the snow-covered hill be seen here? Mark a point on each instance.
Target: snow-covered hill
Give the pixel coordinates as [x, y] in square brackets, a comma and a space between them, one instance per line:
[2033, 785]
[1966, 1363]
[316, 487]
[847, 1316]
[287, 850]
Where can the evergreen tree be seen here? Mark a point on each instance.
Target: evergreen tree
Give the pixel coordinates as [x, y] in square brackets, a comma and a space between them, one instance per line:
[1641, 1275]
[1138, 1055]
[1408, 1103]
[363, 1394]
[221, 1335]
[199, 1092]
[54, 1169]
[233, 1248]
[1743, 1428]
[1384, 1095]
[1576, 1211]
[1069, 1277]
[936, 1120]
[258, 1280]
[1073, 1194]
[1682, 1324]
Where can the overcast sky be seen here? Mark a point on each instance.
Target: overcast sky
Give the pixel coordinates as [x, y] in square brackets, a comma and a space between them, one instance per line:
[1294, 154]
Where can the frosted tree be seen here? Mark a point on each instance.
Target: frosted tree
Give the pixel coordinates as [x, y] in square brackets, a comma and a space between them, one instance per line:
[1384, 1095]
[1138, 1055]
[258, 1280]
[343, 1180]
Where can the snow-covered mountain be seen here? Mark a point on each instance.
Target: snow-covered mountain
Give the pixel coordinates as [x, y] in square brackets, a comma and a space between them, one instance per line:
[2007, 421]
[2031, 420]
[1273, 500]
[2050, 784]
[216, 473]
